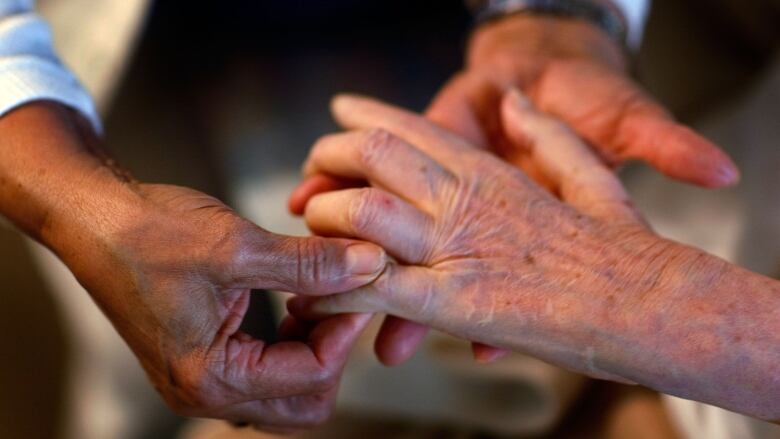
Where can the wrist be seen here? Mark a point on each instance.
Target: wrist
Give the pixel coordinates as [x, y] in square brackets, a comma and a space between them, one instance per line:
[54, 184]
[631, 324]
[544, 38]
[602, 315]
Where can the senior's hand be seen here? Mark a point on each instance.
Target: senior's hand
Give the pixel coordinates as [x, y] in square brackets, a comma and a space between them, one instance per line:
[483, 252]
[573, 71]
[569, 69]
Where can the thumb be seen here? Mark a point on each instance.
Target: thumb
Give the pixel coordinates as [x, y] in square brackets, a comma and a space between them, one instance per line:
[308, 265]
[623, 122]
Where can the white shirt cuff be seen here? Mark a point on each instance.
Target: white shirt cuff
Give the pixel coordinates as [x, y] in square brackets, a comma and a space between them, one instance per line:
[29, 68]
[26, 79]
[635, 12]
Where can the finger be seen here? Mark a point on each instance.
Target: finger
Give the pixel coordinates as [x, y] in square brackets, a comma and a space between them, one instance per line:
[468, 106]
[288, 369]
[613, 114]
[382, 159]
[678, 151]
[314, 265]
[487, 354]
[317, 184]
[581, 178]
[373, 215]
[409, 292]
[292, 329]
[282, 416]
[396, 342]
[398, 339]
[454, 109]
[442, 145]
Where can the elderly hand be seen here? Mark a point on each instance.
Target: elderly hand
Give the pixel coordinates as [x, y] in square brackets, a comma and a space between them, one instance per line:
[482, 252]
[173, 268]
[569, 69]
[485, 254]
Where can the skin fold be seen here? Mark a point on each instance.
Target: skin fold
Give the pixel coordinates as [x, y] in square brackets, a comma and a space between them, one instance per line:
[484, 253]
[575, 72]
[172, 269]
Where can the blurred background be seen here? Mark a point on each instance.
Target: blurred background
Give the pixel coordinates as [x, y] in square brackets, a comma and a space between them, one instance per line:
[228, 100]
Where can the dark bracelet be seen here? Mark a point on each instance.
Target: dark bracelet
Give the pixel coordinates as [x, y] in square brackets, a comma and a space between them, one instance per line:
[604, 15]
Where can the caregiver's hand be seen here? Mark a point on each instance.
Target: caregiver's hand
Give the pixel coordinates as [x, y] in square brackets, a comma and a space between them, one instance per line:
[175, 282]
[572, 70]
[485, 254]
[172, 268]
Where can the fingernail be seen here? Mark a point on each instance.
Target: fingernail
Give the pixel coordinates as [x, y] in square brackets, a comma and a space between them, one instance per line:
[728, 175]
[365, 259]
[519, 99]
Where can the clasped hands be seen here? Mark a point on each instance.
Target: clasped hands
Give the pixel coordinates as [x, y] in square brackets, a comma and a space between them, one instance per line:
[477, 248]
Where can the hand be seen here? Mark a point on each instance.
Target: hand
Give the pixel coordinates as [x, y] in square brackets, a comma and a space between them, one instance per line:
[575, 72]
[175, 281]
[572, 70]
[172, 269]
[485, 254]
[482, 252]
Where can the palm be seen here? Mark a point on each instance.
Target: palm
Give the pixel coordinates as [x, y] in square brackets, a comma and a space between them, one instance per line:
[599, 102]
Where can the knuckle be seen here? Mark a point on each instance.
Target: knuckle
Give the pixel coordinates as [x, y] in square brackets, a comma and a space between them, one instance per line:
[231, 249]
[362, 209]
[324, 381]
[313, 263]
[377, 145]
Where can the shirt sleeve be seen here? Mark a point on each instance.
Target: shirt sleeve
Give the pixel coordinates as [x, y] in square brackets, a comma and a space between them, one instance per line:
[30, 70]
[635, 12]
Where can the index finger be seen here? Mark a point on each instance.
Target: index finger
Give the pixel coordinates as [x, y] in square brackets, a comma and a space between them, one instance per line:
[357, 112]
[286, 369]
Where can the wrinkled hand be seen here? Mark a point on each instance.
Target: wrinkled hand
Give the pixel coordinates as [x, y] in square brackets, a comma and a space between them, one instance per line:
[573, 71]
[175, 282]
[482, 252]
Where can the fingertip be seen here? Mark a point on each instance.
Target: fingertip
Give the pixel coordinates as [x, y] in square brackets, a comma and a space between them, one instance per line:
[398, 340]
[680, 152]
[334, 337]
[296, 202]
[314, 185]
[365, 259]
[727, 175]
[343, 102]
[484, 354]
[518, 100]
[515, 113]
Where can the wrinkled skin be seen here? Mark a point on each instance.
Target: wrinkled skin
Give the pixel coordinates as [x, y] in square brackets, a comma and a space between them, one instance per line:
[577, 280]
[459, 220]
[569, 69]
[178, 292]
[173, 268]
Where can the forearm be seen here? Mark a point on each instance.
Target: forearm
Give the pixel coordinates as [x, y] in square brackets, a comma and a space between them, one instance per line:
[691, 325]
[54, 184]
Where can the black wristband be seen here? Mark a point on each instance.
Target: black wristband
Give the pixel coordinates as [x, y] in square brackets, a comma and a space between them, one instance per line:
[605, 16]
